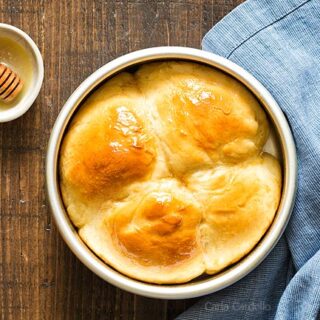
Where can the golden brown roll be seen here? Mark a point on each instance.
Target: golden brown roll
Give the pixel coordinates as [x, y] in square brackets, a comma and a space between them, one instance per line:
[240, 203]
[152, 235]
[162, 171]
[108, 146]
[204, 115]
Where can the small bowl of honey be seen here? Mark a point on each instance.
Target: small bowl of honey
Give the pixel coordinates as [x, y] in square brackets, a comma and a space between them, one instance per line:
[21, 72]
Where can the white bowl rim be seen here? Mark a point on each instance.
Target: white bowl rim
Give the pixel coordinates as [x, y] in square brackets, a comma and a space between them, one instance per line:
[191, 289]
[26, 102]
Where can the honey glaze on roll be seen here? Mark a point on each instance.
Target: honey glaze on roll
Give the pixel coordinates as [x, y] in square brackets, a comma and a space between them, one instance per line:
[162, 171]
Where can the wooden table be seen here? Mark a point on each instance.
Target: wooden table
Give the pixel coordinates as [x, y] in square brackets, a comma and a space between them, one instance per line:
[40, 278]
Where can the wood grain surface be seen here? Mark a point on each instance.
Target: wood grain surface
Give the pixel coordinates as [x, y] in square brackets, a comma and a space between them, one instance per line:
[39, 277]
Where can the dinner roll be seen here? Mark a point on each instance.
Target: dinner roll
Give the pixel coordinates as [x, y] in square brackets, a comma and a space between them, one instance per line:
[204, 115]
[240, 202]
[153, 233]
[107, 147]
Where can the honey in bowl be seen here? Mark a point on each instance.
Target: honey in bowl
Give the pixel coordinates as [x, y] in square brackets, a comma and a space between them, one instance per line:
[19, 60]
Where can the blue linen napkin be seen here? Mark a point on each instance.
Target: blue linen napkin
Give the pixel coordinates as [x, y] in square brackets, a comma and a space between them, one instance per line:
[278, 41]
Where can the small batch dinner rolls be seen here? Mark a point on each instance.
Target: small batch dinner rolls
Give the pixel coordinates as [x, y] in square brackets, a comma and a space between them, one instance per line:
[164, 175]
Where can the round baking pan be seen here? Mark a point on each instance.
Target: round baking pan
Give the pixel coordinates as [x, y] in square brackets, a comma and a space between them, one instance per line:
[280, 143]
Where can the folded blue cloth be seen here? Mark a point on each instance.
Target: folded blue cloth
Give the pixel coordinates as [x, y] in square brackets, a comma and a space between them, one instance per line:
[278, 41]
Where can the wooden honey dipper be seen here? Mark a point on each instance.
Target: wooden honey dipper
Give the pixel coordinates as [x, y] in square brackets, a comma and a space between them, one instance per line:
[10, 83]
